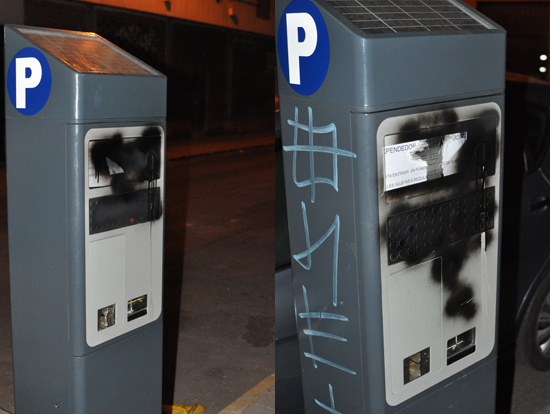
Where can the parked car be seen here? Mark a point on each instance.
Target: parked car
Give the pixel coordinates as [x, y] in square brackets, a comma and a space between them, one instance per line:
[526, 214]
[524, 294]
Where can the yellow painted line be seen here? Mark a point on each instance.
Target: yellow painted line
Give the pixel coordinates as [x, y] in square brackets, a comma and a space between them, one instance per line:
[238, 406]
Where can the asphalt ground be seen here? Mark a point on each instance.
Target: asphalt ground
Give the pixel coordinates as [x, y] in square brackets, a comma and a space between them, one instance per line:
[220, 210]
[531, 391]
[219, 277]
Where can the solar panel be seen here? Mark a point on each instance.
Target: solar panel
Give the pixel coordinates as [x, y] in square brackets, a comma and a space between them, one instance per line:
[408, 16]
[86, 52]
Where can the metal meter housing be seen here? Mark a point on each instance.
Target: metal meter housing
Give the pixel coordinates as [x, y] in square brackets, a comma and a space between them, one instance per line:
[391, 121]
[85, 149]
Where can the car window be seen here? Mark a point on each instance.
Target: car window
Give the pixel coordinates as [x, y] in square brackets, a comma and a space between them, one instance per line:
[535, 136]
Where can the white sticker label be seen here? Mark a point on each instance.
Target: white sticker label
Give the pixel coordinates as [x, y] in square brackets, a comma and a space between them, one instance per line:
[414, 162]
[114, 168]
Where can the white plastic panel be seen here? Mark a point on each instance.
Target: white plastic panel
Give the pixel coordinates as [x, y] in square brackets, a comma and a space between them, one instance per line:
[124, 263]
[106, 272]
[419, 327]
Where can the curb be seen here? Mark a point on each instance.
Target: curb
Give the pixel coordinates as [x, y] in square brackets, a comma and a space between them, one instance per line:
[247, 399]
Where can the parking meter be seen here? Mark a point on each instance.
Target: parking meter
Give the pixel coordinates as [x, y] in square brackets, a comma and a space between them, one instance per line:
[85, 144]
[392, 115]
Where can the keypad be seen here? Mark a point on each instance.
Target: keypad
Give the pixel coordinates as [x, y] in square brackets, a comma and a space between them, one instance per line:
[419, 232]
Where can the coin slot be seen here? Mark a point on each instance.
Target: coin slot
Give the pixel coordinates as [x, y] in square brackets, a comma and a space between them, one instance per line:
[106, 317]
[416, 365]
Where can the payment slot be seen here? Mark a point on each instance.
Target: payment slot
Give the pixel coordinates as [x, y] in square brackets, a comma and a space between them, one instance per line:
[85, 144]
[392, 117]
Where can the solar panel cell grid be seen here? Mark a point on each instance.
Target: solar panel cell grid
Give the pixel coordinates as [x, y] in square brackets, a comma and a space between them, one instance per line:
[86, 53]
[404, 16]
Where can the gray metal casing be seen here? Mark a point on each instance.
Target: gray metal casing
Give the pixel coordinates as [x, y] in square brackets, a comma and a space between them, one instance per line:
[55, 370]
[371, 79]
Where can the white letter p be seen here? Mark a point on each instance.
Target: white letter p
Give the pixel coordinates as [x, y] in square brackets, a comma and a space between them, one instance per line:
[22, 83]
[297, 49]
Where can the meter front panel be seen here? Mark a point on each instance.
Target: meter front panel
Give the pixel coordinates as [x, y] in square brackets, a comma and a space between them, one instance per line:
[123, 232]
[439, 215]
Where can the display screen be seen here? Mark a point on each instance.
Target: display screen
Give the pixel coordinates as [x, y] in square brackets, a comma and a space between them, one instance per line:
[421, 161]
[87, 52]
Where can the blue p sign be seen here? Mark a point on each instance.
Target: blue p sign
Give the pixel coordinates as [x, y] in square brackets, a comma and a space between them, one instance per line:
[29, 81]
[303, 45]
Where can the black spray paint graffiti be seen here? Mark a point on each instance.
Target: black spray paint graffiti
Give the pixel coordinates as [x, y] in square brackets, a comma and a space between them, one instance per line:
[433, 151]
[472, 156]
[334, 230]
[461, 302]
[476, 154]
[123, 165]
[117, 161]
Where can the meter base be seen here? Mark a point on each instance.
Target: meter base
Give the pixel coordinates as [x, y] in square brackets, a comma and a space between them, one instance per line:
[463, 394]
[134, 386]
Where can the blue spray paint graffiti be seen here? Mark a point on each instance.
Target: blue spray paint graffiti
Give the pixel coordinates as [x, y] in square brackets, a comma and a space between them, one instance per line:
[310, 249]
[306, 258]
[332, 408]
[310, 332]
[312, 149]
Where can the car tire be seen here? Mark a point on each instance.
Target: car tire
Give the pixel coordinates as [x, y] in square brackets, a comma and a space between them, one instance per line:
[533, 341]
